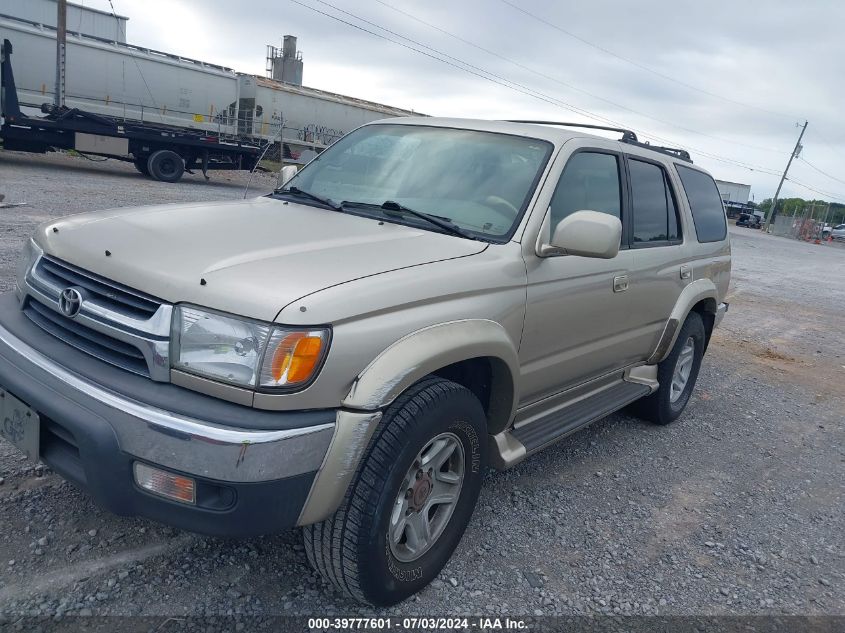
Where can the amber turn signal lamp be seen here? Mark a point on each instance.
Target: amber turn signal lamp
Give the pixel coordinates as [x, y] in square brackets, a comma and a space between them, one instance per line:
[296, 357]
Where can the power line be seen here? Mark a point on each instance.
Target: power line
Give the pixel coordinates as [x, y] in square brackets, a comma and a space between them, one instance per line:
[829, 194]
[465, 67]
[824, 173]
[819, 136]
[559, 81]
[749, 166]
[502, 81]
[497, 79]
[483, 73]
[569, 106]
[643, 66]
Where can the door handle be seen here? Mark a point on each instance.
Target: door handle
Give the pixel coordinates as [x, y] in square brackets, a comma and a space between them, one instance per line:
[620, 283]
[686, 272]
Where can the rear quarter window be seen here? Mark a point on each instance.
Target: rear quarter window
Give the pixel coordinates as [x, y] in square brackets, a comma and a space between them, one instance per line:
[705, 204]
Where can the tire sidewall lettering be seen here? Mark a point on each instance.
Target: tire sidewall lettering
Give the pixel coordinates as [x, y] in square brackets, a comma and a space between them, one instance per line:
[469, 433]
[409, 574]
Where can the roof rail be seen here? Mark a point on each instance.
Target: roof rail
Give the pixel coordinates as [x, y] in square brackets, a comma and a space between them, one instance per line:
[674, 152]
[627, 135]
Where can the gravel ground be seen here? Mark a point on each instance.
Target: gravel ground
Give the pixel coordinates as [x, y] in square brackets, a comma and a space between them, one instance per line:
[735, 509]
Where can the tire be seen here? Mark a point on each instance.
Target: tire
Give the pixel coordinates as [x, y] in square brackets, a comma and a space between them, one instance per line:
[141, 165]
[352, 548]
[660, 407]
[165, 165]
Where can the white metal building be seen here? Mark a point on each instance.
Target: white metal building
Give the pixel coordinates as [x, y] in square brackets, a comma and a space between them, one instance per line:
[734, 191]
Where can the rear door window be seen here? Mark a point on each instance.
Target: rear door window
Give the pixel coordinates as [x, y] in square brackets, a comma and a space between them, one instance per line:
[655, 215]
[705, 204]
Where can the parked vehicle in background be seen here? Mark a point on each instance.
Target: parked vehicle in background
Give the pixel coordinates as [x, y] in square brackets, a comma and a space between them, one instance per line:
[749, 220]
[349, 353]
[838, 232]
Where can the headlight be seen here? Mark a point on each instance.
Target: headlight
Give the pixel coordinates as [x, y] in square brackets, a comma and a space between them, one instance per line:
[244, 352]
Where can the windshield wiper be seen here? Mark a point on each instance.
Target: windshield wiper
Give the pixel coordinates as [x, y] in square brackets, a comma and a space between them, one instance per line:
[398, 210]
[296, 191]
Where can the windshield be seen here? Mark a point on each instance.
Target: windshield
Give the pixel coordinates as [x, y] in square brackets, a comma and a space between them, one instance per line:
[479, 181]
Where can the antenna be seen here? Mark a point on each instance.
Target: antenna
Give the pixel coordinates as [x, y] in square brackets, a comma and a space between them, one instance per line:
[260, 158]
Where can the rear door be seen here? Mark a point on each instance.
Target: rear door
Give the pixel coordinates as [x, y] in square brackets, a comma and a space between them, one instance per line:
[659, 266]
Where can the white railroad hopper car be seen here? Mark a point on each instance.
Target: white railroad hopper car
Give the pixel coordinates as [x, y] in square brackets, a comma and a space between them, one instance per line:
[311, 118]
[111, 78]
[126, 81]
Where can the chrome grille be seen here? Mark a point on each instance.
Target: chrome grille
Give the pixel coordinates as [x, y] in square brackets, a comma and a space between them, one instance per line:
[95, 343]
[119, 325]
[108, 294]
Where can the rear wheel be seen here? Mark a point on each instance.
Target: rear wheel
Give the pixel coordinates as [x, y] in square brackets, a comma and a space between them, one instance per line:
[165, 165]
[411, 500]
[676, 375]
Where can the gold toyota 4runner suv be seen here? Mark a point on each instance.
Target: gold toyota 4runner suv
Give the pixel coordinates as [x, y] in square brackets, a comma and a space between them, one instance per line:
[349, 353]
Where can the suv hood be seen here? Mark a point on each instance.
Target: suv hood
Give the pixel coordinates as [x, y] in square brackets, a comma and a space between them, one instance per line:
[256, 256]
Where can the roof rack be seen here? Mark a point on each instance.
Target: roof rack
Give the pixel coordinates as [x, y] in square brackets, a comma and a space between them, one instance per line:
[628, 136]
[674, 152]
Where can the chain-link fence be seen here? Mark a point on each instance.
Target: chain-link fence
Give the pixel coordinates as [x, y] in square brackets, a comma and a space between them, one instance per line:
[808, 224]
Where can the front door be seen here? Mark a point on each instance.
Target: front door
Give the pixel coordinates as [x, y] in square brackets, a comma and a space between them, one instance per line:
[576, 321]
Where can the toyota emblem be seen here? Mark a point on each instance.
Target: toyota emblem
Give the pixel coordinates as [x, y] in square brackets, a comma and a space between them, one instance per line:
[70, 302]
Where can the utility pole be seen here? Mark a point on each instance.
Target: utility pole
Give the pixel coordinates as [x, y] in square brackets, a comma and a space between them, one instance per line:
[61, 49]
[774, 210]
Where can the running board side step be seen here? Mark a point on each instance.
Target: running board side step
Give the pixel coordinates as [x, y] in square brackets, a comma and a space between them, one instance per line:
[515, 444]
[560, 424]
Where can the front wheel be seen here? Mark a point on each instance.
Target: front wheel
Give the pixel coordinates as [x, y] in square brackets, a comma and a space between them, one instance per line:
[676, 374]
[412, 497]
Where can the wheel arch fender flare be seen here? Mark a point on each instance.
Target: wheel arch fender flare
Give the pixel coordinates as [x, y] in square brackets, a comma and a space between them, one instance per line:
[700, 290]
[429, 349]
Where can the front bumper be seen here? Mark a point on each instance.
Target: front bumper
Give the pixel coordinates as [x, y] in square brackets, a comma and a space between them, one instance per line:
[254, 469]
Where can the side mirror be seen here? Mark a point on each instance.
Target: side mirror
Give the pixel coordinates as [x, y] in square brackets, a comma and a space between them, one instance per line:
[286, 173]
[587, 234]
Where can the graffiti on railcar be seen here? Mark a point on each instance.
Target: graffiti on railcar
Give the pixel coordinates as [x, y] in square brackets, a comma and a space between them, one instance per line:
[316, 133]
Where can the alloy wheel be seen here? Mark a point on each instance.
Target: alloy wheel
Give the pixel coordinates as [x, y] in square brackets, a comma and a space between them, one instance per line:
[428, 497]
[683, 368]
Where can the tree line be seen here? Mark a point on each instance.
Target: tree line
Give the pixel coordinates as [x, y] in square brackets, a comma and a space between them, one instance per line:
[798, 206]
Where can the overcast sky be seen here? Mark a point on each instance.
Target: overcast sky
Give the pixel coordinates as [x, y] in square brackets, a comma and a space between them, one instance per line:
[781, 60]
